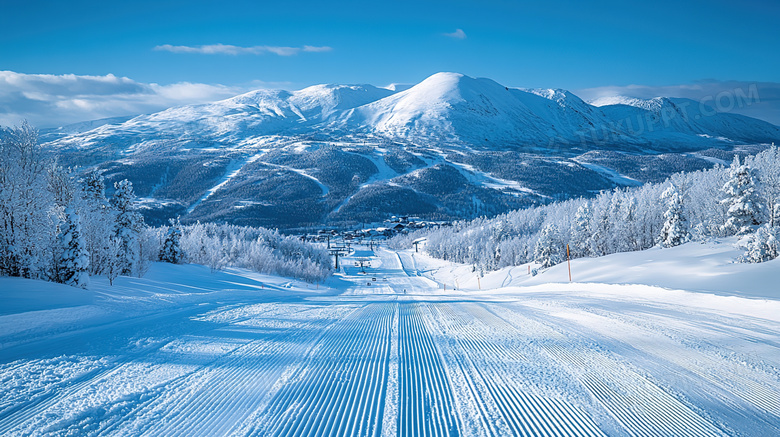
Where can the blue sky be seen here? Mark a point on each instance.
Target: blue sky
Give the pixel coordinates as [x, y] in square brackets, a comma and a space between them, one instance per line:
[182, 52]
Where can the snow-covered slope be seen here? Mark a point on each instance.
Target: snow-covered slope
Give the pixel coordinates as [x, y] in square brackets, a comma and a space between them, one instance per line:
[187, 351]
[708, 267]
[77, 128]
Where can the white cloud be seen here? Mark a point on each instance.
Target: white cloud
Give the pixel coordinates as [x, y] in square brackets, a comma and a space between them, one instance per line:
[754, 99]
[316, 49]
[458, 34]
[225, 49]
[47, 100]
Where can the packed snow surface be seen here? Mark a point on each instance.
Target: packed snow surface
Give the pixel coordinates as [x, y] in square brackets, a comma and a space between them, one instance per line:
[414, 347]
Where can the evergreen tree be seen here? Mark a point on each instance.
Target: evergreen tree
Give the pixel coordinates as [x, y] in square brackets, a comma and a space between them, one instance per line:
[549, 249]
[763, 245]
[580, 232]
[127, 227]
[73, 257]
[172, 251]
[675, 229]
[94, 188]
[743, 205]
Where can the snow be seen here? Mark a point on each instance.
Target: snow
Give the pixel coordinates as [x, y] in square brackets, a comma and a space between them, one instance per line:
[482, 179]
[303, 173]
[233, 169]
[709, 267]
[677, 341]
[629, 101]
[710, 159]
[610, 174]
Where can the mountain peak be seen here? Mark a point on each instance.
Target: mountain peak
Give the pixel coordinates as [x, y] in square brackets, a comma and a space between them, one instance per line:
[449, 106]
[653, 104]
[557, 95]
[328, 98]
[438, 87]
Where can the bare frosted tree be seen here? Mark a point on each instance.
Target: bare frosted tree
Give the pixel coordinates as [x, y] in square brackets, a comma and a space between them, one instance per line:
[26, 228]
[767, 164]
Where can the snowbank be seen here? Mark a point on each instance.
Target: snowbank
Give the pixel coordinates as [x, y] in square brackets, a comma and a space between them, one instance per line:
[696, 267]
[33, 308]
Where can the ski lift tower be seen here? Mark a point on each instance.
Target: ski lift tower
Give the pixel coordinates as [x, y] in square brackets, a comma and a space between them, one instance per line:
[337, 252]
[362, 263]
[418, 241]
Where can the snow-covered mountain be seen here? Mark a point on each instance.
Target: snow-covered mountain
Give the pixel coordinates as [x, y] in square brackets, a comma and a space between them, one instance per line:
[677, 120]
[261, 112]
[451, 146]
[452, 108]
[480, 112]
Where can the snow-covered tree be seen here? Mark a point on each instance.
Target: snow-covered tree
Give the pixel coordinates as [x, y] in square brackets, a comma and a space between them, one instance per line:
[627, 227]
[775, 218]
[763, 245]
[620, 220]
[34, 194]
[261, 250]
[73, 256]
[600, 225]
[127, 227]
[113, 263]
[26, 230]
[744, 207]
[705, 211]
[616, 219]
[550, 250]
[98, 222]
[172, 251]
[675, 230]
[767, 165]
[60, 184]
[580, 232]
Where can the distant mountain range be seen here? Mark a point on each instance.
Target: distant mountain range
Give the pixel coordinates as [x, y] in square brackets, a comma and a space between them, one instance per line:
[449, 147]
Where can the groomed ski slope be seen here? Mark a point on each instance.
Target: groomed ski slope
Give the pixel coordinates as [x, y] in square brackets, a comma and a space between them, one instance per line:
[187, 352]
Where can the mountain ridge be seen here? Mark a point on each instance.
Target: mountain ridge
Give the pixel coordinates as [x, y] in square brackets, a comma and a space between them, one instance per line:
[457, 108]
[450, 147]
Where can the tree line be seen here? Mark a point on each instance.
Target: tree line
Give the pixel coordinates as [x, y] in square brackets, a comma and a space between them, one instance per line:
[58, 226]
[740, 199]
